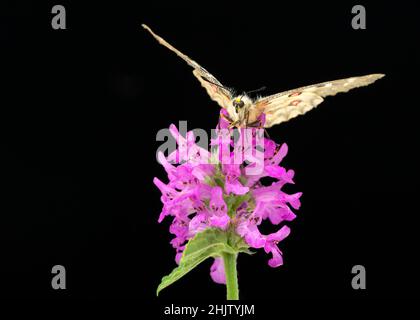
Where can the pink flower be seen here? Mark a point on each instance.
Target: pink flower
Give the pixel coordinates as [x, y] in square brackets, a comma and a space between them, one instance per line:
[248, 229]
[273, 203]
[232, 174]
[201, 194]
[271, 246]
[217, 209]
[217, 271]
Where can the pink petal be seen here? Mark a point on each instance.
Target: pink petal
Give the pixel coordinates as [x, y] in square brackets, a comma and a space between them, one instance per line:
[217, 204]
[219, 221]
[277, 259]
[235, 187]
[280, 214]
[275, 171]
[164, 162]
[217, 271]
[280, 154]
[293, 199]
[251, 234]
[279, 235]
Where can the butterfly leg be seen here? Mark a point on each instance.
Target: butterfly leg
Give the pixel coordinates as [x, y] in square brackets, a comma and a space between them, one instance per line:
[246, 125]
[233, 124]
[257, 124]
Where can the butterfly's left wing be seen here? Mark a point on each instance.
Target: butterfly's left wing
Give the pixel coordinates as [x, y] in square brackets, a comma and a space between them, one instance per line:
[214, 88]
[286, 105]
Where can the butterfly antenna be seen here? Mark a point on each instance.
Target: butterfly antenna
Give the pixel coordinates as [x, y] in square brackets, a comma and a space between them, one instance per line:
[256, 90]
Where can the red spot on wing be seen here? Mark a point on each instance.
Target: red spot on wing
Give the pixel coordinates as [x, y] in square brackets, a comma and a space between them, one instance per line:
[294, 94]
[262, 104]
[295, 102]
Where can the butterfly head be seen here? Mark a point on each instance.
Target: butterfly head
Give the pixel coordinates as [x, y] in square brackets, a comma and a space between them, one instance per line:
[238, 104]
[239, 107]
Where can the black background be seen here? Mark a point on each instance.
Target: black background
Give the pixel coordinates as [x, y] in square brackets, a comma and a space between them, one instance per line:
[80, 109]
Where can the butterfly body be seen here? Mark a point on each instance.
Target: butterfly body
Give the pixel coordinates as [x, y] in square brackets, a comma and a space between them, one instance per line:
[277, 108]
[239, 110]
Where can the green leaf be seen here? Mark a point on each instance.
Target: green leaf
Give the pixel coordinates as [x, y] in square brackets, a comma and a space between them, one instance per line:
[211, 242]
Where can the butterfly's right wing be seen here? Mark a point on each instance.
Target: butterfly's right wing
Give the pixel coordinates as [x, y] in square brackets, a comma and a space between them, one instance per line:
[214, 88]
[286, 105]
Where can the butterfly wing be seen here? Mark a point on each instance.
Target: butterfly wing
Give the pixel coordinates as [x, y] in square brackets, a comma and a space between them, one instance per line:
[214, 88]
[286, 105]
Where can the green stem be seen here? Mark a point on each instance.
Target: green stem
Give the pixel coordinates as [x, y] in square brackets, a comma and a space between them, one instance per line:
[229, 261]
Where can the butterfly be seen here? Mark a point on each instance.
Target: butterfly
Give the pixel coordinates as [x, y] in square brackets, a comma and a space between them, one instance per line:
[244, 111]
